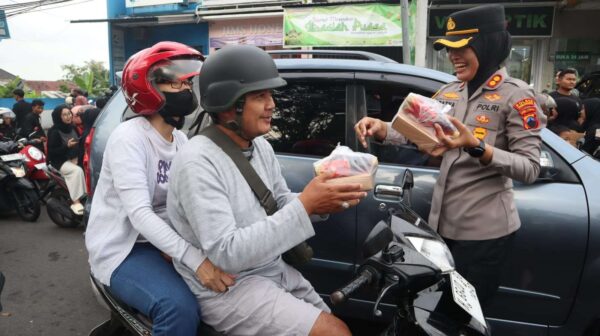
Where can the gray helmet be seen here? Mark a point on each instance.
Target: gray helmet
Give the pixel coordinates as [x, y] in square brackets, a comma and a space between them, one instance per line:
[231, 72]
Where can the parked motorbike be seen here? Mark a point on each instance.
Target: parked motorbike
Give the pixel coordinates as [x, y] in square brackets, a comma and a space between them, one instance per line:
[411, 263]
[17, 191]
[58, 201]
[35, 168]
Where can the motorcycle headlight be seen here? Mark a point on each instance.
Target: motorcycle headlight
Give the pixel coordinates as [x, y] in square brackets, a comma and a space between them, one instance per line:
[35, 153]
[435, 251]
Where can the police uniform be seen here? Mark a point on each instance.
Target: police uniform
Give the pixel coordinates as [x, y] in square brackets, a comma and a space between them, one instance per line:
[473, 205]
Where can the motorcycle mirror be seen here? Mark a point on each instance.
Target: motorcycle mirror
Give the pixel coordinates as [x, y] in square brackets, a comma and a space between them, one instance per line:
[378, 239]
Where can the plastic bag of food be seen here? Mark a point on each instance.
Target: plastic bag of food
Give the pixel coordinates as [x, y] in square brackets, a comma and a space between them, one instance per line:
[348, 166]
[416, 117]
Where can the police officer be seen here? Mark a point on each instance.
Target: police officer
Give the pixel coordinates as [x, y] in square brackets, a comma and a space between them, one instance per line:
[499, 122]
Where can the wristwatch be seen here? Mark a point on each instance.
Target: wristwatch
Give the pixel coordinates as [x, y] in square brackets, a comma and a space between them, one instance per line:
[476, 151]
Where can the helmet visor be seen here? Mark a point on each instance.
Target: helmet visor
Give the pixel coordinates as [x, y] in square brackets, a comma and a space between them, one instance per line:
[174, 70]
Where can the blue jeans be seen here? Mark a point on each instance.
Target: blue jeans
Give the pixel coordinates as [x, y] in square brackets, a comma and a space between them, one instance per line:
[150, 284]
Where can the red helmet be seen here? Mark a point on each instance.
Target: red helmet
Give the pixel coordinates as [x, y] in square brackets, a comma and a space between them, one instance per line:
[164, 61]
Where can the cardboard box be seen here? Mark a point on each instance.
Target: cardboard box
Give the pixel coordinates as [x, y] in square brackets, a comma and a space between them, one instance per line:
[366, 181]
[423, 137]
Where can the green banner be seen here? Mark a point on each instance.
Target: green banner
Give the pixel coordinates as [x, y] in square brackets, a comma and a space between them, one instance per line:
[345, 25]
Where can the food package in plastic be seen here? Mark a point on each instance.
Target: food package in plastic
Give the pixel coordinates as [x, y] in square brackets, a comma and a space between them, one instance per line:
[416, 117]
[348, 166]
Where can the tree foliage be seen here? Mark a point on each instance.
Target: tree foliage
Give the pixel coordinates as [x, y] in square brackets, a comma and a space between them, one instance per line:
[6, 91]
[92, 77]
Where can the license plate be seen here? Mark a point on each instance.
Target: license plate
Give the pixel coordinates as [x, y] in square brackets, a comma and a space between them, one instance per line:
[19, 172]
[11, 157]
[465, 296]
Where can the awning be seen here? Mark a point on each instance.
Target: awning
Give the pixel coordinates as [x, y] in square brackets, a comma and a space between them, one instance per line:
[141, 21]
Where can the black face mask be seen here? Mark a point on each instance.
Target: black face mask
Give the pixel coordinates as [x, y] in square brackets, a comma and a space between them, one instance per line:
[178, 104]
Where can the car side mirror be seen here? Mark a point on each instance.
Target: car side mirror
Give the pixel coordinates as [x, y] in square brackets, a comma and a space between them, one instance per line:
[378, 239]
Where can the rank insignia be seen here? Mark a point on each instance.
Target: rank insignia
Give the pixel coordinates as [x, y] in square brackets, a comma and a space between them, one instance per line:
[480, 133]
[451, 95]
[492, 83]
[482, 119]
[492, 96]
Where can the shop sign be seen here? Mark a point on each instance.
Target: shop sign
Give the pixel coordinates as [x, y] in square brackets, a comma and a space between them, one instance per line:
[345, 25]
[141, 3]
[4, 33]
[522, 21]
[222, 3]
[571, 56]
[259, 32]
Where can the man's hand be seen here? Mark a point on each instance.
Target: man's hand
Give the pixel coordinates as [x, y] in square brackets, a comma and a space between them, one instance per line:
[320, 197]
[464, 139]
[370, 127]
[213, 278]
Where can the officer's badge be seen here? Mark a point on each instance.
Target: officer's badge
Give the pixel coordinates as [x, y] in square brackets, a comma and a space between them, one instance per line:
[451, 95]
[480, 133]
[451, 24]
[492, 96]
[482, 119]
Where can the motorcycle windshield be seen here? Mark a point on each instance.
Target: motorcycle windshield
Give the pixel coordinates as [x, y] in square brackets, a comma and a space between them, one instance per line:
[407, 223]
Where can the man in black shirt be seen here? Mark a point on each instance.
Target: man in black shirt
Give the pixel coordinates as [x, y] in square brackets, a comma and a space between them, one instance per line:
[566, 80]
[21, 108]
[31, 123]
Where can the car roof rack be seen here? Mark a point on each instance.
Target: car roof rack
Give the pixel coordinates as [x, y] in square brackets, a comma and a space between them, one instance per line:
[338, 54]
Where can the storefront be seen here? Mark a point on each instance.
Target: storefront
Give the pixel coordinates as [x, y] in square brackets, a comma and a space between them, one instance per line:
[264, 32]
[531, 28]
[547, 36]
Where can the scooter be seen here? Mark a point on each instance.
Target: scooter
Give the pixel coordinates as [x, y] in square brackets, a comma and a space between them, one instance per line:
[35, 164]
[58, 201]
[17, 191]
[410, 262]
[125, 320]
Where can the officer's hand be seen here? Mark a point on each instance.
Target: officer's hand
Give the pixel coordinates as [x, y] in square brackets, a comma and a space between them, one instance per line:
[213, 278]
[320, 197]
[370, 127]
[464, 139]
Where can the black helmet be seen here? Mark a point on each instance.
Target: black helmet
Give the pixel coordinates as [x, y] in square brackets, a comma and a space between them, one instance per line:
[233, 71]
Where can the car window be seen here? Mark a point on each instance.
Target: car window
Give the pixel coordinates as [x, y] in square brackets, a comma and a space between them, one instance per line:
[383, 101]
[309, 117]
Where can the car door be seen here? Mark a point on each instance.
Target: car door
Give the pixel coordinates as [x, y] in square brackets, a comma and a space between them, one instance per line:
[309, 121]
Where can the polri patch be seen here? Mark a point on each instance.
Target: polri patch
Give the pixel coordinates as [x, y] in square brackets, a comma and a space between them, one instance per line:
[487, 107]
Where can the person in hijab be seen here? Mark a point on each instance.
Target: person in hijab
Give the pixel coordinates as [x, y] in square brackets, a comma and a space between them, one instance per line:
[7, 126]
[568, 113]
[591, 126]
[87, 121]
[499, 122]
[63, 144]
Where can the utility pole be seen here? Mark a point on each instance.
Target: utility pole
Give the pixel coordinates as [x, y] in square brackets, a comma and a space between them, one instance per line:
[405, 37]
[421, 33]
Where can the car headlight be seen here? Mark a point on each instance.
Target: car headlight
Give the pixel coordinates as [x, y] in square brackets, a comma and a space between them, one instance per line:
[435, 251]
[35, 153]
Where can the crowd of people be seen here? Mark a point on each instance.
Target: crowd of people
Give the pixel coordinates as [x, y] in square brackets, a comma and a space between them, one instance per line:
[575, 120]
[65, 140]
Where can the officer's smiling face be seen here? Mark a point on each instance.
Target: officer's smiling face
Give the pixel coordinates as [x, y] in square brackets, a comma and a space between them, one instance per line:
[465, 62]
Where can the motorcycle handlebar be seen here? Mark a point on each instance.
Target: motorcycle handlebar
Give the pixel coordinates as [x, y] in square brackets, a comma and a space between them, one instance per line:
[342, 294]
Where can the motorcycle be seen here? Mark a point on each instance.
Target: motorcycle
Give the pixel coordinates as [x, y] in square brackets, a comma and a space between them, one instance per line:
[17, 191]
[35, 168]
[125, 320]
[409, 261]
[58, 202]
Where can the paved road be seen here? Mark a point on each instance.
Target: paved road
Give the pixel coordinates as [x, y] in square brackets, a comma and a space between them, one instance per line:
[47, 290]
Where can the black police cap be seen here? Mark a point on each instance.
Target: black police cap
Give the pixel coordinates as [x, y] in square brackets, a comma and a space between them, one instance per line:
[464, 26]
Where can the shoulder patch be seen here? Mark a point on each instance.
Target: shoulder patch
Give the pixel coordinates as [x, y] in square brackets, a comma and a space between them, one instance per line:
[528, 111]
[524, 103]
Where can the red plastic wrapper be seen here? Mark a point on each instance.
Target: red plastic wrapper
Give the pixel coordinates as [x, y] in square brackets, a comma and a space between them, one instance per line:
[348, 166]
